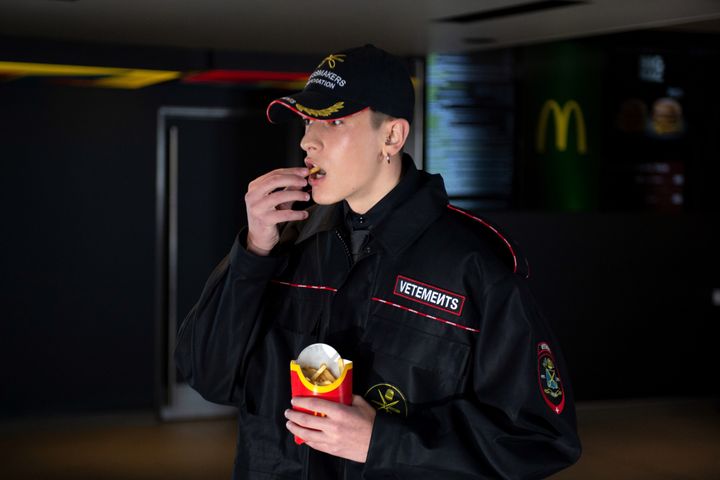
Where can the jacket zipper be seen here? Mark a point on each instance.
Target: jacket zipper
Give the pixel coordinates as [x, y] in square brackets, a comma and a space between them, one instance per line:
[319, 331]
[347, 250]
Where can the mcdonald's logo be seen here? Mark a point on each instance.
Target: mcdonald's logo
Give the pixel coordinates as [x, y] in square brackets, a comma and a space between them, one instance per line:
[562, 122]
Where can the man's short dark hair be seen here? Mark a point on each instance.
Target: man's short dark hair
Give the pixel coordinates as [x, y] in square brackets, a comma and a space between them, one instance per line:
[378, 118]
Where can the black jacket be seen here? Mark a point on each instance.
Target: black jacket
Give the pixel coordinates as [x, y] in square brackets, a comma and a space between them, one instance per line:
[436, 315]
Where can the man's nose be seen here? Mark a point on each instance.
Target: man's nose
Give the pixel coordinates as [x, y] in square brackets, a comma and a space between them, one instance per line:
[310, 140]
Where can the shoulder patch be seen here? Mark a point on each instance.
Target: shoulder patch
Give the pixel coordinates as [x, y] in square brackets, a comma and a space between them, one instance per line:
[551, 386]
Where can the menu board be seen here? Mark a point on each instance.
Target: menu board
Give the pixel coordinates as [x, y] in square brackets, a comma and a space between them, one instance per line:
[470, 126]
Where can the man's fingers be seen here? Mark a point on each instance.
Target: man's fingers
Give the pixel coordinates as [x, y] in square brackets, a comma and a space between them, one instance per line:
[270, 202]
[281, 216]
[345, 431]
[307, 434]
[267, 184]
[306, 420]
[301, 171]
[319, 405]
[360, 402]
[293, 171]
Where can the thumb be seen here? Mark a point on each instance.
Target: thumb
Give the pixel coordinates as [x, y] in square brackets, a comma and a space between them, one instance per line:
[359, 401]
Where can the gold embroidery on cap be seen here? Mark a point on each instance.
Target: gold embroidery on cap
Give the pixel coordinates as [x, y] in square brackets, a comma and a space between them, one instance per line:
[325, 112]
[331, 59]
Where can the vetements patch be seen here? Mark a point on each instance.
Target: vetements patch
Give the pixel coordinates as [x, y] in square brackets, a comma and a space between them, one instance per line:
[429, 295]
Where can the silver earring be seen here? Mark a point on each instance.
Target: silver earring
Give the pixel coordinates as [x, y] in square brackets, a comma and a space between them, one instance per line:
[387, 157]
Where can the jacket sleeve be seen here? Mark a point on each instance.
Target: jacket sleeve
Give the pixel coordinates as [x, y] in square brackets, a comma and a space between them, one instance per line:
[508, 423]
[215, 337]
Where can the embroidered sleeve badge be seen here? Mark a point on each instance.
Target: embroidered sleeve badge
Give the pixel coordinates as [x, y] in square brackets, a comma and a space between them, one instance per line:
[387, 398]
[549, 379]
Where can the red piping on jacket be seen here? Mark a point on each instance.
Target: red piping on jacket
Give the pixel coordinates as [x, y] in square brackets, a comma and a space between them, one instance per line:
[330, 289]
[512, 251]
[299, 285]
[448, 322]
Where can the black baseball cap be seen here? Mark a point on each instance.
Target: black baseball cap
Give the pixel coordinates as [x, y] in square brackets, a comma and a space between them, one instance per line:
[348, 82]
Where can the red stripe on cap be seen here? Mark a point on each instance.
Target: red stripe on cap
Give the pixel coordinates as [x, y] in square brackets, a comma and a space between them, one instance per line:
[300, 285]
[431, 317]
[278, 102]
[507, 243]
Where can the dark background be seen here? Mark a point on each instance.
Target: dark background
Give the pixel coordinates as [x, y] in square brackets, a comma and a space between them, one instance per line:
[627, 288]
[78, 200]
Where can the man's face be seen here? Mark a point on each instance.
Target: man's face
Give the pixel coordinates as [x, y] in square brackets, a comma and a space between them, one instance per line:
[349, 152]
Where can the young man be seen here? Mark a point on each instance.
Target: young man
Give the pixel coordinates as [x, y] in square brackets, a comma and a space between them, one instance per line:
[456, 375]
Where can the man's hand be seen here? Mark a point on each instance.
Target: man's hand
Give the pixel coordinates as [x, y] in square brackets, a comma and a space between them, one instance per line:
[269, 200]
[345, 431]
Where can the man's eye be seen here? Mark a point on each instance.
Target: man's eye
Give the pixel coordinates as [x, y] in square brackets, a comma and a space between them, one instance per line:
[337, 122]
[307, 122]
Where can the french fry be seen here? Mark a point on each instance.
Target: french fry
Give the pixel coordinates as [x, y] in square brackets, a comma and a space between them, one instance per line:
[314, 170]
[319, 372]
[327, 376]
[319, 376]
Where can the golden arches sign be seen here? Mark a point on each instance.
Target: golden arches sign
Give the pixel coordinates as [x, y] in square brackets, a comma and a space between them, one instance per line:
[562, 123]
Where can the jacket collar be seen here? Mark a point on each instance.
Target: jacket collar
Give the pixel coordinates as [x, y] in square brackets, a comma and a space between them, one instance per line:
[412, 217]
[322, 219]
[400, 227]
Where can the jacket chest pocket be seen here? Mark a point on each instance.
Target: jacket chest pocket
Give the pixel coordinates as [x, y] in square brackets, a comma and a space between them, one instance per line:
[296, 310]
[426, 367]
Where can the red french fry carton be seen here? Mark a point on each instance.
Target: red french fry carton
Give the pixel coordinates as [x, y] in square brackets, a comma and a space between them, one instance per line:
[314, 356]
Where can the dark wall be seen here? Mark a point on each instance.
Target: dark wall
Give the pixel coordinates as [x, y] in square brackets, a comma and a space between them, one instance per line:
[77, 190]
[77, 199]
[629, 296]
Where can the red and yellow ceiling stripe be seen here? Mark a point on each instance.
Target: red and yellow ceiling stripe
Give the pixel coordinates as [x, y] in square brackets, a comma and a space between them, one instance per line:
[108, 77]
[134, 78]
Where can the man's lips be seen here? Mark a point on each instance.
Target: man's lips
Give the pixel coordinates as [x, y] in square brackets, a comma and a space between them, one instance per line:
[315, 171]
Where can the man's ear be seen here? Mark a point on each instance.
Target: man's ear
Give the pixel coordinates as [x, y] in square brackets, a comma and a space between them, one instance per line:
[396, 134]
